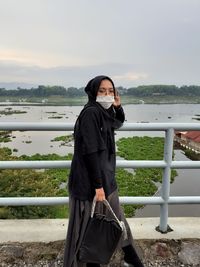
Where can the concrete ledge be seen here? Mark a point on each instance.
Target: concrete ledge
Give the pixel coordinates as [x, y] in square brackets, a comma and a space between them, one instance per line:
[47, 230]
[183, 227]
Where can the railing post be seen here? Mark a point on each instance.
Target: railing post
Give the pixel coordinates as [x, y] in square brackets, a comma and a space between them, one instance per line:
[165, 192]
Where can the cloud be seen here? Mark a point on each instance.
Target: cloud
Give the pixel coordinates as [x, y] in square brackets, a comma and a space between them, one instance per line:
[30, 57]
[13, 71]
[138, 42]
[121, 73]
[131, 76]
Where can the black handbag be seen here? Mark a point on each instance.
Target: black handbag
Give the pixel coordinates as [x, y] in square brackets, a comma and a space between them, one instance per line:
[101, 237]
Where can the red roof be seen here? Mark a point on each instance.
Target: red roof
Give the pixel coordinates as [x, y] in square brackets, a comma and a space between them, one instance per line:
[193, 135]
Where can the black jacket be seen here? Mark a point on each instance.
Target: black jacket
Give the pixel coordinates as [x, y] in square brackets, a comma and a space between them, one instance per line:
[94, 160]
[94, 133]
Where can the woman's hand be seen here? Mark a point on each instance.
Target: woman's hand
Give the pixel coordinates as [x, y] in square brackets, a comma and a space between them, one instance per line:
[100, 195]
[117, 101]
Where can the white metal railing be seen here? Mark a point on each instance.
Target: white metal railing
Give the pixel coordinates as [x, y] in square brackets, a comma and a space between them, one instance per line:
[166, 164]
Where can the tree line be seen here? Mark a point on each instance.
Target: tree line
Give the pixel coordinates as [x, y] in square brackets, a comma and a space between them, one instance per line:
[139, 91]
[162, 90]
[43, 91]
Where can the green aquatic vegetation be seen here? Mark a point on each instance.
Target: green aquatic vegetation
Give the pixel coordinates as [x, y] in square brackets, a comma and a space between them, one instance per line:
[64, 138]
[142, 182]
[55, 117]
[5, 136]
[5, 154]
[32, 183]
[133, 185]
[58, 176]
[52, 156]
[28, 183]
[48, 182]
[141, 148]
[10, 112]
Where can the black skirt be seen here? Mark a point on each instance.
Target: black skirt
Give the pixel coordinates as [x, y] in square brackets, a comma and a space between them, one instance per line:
[79, 215]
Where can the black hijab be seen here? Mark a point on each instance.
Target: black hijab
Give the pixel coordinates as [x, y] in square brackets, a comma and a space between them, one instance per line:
[93, 86]
[108, 115]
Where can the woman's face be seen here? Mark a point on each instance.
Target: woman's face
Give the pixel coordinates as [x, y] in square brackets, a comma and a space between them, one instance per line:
[105, 88]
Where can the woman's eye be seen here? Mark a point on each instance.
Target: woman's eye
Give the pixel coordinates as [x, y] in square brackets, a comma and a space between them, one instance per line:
[104, 91]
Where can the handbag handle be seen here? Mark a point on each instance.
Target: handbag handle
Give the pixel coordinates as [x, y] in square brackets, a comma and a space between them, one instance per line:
[106, 203]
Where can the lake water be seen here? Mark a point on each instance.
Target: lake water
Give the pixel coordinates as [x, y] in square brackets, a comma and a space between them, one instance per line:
[187, 183]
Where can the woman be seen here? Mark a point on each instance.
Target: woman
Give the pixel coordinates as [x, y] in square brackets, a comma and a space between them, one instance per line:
[93, 167]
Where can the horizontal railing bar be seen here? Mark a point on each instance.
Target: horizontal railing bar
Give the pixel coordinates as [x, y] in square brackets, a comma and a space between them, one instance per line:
[61, 126]
[185, 164]
[140, 163]
[33, 201]
[50, 164]
[159, 126]
[42, 164]
[41, 201]
[36, 126]
[184, 200]
[17, 201]
[141, 200]
[159, 200]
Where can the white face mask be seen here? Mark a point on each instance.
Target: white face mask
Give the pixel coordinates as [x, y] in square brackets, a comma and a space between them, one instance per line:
[105, 101]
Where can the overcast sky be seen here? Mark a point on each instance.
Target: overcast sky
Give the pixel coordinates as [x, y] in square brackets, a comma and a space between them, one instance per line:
[67, 42]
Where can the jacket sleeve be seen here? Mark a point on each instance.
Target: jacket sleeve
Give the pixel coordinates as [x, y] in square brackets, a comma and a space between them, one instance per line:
[119, 117]
[119, 113]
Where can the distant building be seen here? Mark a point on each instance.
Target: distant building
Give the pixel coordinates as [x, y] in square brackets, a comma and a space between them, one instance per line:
[189, 140]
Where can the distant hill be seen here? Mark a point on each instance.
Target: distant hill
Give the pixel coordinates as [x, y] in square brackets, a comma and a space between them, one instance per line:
[13, 85]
